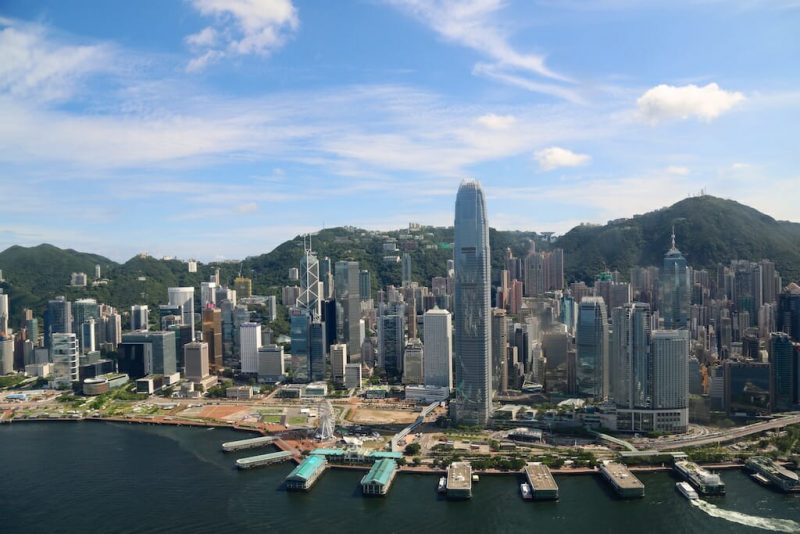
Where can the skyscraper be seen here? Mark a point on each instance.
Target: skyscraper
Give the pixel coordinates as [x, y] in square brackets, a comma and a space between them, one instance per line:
[212, 334]
[631, 365]
[348, 305]
[675, 289]
[183, 297]
[57, 318]
[3, 312]
[788, 316]
[670, 350]
[438, 362]
[65, 357]
[473, 400]
[406, 268]
[250, 339]
[592, 348]
[782, 371]
[413, 358]
[140, 317]
[499, 351]
[391, 341]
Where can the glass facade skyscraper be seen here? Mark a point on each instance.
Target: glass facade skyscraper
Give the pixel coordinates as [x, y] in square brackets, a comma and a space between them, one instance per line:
[473, 374]
[592, 348]
[675, 289]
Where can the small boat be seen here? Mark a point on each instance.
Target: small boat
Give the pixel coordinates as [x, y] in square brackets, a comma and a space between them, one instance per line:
[442, 487]
[525, 489]
[686, 490]
[761, 479]
[476, 478]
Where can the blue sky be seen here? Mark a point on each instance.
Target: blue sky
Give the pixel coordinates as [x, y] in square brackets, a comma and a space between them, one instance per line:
[220, 128]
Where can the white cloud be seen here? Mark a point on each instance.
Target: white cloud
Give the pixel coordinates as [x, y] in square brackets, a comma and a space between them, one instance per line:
[496, 122]
[471, 23]
[677, 170]
[35, 66]
[241, 27]
[249, 207]
[665, 102]
[740, 166]
[555, 157]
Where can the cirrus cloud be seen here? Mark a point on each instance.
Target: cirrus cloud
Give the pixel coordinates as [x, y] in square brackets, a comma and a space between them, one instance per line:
[666, 102]
[555, 157]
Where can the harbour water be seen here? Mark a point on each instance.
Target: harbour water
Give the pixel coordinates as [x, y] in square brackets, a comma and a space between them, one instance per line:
[98, 477]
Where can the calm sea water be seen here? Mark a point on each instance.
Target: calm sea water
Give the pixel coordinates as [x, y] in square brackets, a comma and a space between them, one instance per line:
[96, 477]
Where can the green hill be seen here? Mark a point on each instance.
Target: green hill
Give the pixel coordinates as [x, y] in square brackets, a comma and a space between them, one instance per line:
[709, 231]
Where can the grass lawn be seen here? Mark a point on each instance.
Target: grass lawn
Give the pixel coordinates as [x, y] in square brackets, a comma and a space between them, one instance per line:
[271, 419]
[297, 420]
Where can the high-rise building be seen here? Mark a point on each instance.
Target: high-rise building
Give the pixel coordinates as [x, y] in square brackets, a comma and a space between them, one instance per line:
[243, 287]
[57, 318]
[592, 348]
[183, 297]
[348, 305]
[788, 314]
[212, 334]
[300, 335]
[352, 375]
[250, 340]
[4, 312]
[140, 317]
[438, 343]
[473, 374]
[270, 363]
[195, 358]
[365, 285]
[406, 269]
[391, 341]
[338, 362]
[413, 358]
[310, 286]
[783, 372]
[208, 294]
[318, 350]
[162, 357]
[670, 350]
[631, 365]
[6, 354]
[675, 289]
[65, 356]
[499, 351]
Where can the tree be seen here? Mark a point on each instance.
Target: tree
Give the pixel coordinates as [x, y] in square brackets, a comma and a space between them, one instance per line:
[412, 449]
[416, 461]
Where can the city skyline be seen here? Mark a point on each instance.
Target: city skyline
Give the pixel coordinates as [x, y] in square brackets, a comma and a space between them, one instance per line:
[218, 122]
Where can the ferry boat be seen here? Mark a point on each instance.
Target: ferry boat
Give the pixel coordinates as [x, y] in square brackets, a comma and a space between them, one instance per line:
[765, 469]
[476, 478]
[525, 489]
[703, 480]
[442, 487]
[686, 490]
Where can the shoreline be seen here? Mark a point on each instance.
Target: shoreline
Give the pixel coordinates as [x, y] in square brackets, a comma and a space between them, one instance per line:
[405, 469]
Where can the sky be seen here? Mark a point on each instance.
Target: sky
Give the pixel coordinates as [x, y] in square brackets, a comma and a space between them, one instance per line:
[217, 129]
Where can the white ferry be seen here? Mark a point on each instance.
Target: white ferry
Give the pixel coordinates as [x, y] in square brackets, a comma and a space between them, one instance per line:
[442, 487]
[686, 490]
[526, 491]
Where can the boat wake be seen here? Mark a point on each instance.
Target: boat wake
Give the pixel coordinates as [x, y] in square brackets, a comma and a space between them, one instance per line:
[766, 523]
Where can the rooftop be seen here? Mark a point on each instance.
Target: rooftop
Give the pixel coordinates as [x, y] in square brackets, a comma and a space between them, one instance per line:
[459, 475]
[622, 476]
[540, 477]
[307, 469]
[381, 472]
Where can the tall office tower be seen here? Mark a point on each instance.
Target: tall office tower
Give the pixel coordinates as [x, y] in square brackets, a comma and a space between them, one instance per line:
[270, 363]
[113, 329]
[208, 294]
[32, 326]
[747, 290]
[195, 358]
[473, 402]
[329, 318]
[338, 362]
[162, 356]
[631, 366]
[391, 341]
[615, 294]
[438, 362]
[365, 285]
[310, 287]
[555, 347]
[243, 287]
[675, 289]
[57, 318]
[348, 305]
[300, 335]
[87, 339]
[326, 277]
[406, 269]
[670, 350]
[499, 351]
[225, 293]
[289, 296]
[82, 311]
[65, 355]
[318, 350]
[250, 340]
[6, 354]
[212, 335]
[788, 315]
[592, 348]
[413, 359]
[140, 317]
[183, 297]
[4, 313]
[769, 288]
[783, 372]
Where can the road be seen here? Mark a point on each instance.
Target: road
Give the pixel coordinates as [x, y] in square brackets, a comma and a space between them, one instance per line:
[724, 436]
